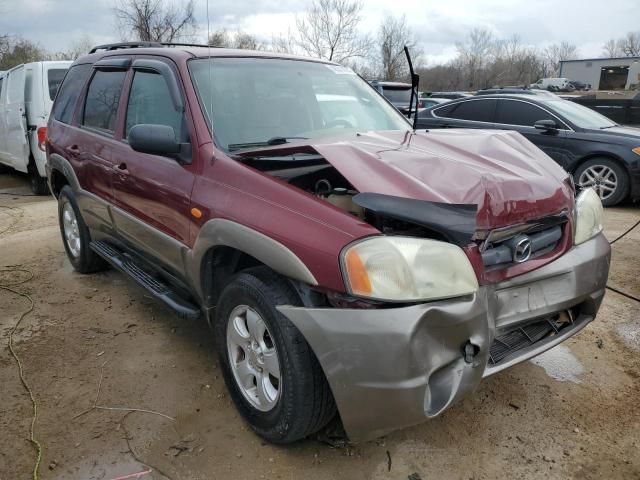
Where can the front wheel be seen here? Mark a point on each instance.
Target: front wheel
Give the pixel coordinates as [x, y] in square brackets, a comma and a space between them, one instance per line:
[271, 372]
[609, 180]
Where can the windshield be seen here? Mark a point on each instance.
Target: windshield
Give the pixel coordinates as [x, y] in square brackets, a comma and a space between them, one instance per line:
[250, 101]
[397, 95]
[581, 116]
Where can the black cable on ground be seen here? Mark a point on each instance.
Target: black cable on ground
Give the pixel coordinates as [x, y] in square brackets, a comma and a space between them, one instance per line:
[624, 234]
[619, 237]
[8, 287]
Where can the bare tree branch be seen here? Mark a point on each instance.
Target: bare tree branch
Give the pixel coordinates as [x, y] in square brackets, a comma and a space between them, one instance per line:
[329, 30]
[156, 20]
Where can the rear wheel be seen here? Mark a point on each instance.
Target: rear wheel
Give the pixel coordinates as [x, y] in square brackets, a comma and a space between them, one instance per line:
[271, 372]
[75, 235]
[609, 179]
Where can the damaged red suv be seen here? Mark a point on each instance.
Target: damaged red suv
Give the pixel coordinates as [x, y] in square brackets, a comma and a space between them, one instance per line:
[346, 263]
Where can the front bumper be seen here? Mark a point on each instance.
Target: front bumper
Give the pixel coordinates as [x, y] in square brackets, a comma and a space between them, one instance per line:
[391, 368]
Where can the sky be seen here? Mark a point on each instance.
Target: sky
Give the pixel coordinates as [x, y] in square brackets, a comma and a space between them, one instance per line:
[437, 24]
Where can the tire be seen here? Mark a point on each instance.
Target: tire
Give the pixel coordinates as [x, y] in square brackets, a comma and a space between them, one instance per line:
[37, 183]
[588, 173]
[303, 403]
[83, 259]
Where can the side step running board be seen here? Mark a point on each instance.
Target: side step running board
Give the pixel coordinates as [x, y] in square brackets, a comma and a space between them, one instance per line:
[158, 288]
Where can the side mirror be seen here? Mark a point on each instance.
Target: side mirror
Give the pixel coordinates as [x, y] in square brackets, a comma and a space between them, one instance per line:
[548, 125]
[154, 139]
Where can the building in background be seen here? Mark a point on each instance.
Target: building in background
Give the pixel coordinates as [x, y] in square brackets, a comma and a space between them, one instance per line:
[604, 73]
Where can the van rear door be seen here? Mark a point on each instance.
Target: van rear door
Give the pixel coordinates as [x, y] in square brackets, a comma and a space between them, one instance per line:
[16, 144]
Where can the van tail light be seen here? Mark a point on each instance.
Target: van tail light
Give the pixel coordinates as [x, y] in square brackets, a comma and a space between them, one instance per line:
[42, 138]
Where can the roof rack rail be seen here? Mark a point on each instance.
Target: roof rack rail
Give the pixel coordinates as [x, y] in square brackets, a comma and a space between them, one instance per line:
[122, 45]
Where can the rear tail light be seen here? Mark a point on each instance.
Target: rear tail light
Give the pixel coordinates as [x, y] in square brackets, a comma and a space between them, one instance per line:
[42, 138]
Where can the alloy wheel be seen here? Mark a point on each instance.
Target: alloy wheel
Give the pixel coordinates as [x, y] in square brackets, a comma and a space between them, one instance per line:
[253, 358]
[601, 178]
[71, 229]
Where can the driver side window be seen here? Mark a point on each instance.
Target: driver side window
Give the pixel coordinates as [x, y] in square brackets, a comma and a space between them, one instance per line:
[150, 102]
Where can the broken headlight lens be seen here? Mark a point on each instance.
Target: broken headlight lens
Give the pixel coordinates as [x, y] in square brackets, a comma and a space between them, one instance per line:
[589, 215]
[407, 269]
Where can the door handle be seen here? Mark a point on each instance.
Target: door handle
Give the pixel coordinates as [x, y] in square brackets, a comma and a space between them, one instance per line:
[122, 168]
[73, 150]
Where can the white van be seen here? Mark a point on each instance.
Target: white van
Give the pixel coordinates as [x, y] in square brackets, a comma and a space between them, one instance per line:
[26, 95]
[553, 84]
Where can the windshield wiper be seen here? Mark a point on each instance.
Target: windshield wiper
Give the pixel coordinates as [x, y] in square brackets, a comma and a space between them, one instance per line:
[609, 126]
[272, 141]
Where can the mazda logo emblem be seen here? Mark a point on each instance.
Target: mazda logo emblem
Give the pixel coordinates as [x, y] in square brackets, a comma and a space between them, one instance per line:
[522, 250]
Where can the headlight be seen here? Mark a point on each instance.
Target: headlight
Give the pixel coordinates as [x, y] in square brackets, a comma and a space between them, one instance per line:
[407, 269]
[588, 216]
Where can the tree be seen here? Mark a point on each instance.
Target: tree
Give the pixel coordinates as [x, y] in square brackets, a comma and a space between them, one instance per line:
[329, 30]
[242, 40]
[630, 44]
[14, 51]
[393, 35]
[612, 48]
[77, 48]
[555, 53]
[155, 20]
[474, 53]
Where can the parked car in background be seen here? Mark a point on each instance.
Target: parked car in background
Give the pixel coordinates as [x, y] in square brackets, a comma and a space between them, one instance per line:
[598, 152]
[26, 95]
[450, 95]
[553, 84]
[398, 93]
[427, 102]
[578, 85]
[622, 107]
[344, 262]
[516, 91]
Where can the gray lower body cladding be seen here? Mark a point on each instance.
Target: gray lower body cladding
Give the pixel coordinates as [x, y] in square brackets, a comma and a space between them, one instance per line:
[391, 368]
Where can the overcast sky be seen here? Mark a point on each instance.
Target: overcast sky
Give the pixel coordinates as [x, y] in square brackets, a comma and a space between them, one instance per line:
[438, 24]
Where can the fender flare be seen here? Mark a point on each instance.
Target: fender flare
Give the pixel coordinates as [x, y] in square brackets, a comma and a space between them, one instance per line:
[221, 232]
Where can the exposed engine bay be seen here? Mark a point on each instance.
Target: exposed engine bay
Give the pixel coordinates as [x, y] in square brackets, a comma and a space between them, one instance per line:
[313, 174]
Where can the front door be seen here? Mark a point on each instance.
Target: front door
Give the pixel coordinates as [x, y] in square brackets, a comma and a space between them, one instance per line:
[521, 115]
[153, 192]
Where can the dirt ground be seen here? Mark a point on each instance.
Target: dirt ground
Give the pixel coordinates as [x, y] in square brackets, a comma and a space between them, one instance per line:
[573, 413]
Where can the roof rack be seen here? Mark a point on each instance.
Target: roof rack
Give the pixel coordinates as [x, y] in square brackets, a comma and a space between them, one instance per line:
[122, 45]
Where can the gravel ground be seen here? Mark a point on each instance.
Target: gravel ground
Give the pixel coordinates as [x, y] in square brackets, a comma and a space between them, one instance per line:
[571, 413]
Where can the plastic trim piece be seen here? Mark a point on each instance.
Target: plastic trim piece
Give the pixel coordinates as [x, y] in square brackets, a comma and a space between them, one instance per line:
[456, 222]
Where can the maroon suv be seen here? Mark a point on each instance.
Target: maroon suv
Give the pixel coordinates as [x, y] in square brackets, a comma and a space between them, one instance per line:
[344, 261]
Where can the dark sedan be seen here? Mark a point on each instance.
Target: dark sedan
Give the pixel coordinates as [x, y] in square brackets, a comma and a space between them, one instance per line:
[597, 151]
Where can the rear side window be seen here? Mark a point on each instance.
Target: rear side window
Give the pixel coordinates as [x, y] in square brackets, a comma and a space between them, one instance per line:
[150, 102]
[473, 110]
[103, 97]
[1, 81]
[65, 103]
[28, 85]
[54, 79]
[511, 112]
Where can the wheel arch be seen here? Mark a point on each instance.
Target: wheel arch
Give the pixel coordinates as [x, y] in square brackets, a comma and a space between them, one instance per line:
[224, 248]
[60, 174]
[606, 155]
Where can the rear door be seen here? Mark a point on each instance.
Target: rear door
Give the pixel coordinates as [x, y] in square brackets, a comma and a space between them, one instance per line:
[153, 192]
[520, 115]
[472, 113]
[16, 142]
[95, 143]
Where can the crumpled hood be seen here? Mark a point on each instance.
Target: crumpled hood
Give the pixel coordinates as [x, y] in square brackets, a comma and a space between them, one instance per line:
[509, 178]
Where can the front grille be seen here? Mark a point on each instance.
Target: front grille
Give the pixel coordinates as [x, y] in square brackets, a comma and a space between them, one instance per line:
[504, 252]
[524, 336]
